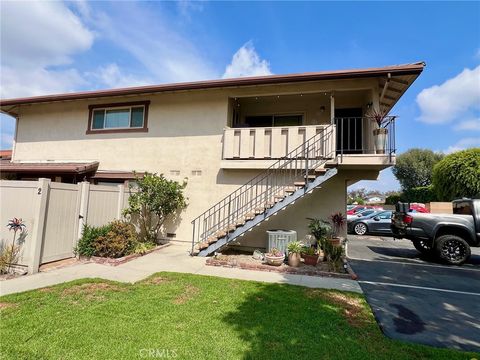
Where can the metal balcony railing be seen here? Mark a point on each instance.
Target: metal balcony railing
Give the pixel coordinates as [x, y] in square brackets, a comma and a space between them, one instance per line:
[354, 135]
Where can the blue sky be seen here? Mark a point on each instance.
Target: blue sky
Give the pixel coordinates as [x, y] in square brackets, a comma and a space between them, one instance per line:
[90, 45]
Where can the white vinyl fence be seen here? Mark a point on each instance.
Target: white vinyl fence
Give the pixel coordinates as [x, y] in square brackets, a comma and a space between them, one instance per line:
[54, 215]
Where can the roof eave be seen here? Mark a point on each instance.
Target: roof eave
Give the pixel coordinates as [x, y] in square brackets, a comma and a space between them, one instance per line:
[411, 69]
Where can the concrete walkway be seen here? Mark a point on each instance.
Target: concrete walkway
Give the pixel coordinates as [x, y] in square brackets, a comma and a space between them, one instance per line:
[173, 258]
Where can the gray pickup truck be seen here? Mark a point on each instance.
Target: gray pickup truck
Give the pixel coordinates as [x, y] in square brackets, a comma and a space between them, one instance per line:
[445, 236]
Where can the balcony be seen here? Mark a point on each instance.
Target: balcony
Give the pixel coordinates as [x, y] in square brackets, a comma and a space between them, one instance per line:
[351, 144]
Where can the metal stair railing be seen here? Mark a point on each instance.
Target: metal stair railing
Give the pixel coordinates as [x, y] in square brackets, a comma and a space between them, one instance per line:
[260, 192]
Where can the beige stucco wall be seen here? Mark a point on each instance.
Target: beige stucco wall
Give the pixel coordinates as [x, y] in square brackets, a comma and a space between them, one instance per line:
[185, 134]
[330, 197]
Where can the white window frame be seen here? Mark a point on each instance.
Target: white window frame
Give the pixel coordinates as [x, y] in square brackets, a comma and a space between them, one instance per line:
[117, 108]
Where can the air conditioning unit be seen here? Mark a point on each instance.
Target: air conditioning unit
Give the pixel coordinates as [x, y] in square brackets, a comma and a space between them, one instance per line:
[280, 239]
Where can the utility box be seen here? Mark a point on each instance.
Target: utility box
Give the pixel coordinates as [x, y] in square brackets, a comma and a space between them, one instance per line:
[280, 239]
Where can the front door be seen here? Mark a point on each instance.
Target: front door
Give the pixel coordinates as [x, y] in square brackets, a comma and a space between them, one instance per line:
[349, 124]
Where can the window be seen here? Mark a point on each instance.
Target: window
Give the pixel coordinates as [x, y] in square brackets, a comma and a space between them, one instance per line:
[273, 120]
[122, 117]
[385, 215]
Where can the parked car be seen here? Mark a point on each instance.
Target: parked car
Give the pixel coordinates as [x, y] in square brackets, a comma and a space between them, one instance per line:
[358, 208]
[418, 207]
[378, 222]
[447, 237]
[360, 214]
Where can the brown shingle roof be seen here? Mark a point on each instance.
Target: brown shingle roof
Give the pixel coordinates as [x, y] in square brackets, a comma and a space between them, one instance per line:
[40, 167]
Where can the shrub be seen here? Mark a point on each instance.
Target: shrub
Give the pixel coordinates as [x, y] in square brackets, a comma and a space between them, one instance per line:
[458, 175]
[154, 200]
[9, 255]
[319, 228]
[333, 255]
[393, 199]
[421, 194]
[119, 241]
[85, 246]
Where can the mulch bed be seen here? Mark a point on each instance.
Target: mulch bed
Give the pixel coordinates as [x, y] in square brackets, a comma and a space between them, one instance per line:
[122, 260]
[243, 261]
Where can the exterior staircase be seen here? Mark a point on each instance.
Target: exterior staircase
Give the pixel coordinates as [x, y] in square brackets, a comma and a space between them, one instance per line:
[287, 180]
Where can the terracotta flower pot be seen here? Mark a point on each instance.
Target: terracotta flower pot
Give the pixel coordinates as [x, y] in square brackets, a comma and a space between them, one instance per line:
[274, 260]
[336, 241]
[294, 259]
[310, 259]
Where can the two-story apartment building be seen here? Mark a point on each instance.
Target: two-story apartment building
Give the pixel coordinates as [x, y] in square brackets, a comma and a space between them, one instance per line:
[259, 153]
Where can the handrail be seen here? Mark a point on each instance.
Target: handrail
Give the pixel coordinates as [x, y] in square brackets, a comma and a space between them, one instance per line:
[259, 191]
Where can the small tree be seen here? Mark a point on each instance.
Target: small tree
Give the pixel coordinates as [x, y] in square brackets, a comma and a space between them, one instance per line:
[458, 175]
[154, 200]
[414, 168]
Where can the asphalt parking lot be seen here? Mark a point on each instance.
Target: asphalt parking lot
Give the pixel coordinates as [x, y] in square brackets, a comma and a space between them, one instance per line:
[415, 299]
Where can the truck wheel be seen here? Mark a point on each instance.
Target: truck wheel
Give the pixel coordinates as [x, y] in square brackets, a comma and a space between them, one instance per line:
[422, 246]
[452, 249]
[360, 229]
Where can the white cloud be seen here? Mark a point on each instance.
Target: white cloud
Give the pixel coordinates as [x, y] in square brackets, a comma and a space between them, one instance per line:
[468, 125]
[154, 41]
[41, 33]
[246, 62]
[452, 99]
[34, 37]
[112, 76]
[463, 144]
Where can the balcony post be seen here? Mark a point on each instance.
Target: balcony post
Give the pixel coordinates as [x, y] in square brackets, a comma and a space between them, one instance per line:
[332, 107]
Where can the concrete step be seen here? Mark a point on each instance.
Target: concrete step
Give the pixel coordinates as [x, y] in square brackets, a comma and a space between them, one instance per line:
[249, 216]
[202, 245]
[220, 233]
[212, 239]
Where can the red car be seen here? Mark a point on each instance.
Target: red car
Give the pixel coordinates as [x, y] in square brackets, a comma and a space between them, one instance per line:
[418, 207]
[358, 208]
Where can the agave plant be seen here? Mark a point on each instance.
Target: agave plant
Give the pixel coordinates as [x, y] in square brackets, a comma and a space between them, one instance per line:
[16, 224]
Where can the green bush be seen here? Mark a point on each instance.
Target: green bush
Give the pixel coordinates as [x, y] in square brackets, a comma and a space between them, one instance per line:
[458, 175]
[333, 255]
[155, 198]
[393, 199]
[85, 246]
[421, 194]
[9, 255]
[319, 228]
[119, 241]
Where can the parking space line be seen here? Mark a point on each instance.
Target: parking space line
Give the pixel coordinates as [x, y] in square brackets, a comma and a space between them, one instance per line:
[418, 287]
[452, 267]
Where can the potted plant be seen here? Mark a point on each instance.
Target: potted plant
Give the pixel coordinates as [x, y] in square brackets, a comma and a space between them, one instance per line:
[310, 256]
[338, 222]
[294, 249]
[380, 118]
[275, 257]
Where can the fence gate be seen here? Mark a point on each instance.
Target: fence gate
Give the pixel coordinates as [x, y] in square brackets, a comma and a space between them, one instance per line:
[61, 221]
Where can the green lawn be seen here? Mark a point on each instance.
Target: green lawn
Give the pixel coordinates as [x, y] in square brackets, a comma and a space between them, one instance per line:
[195, 317]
